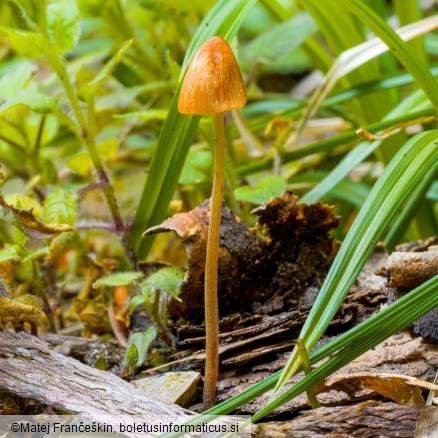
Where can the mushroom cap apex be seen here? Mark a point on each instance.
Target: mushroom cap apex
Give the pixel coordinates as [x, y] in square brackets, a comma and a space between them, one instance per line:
[213, 82]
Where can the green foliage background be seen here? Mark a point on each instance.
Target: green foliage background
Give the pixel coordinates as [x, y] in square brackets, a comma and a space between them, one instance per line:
[93, 150]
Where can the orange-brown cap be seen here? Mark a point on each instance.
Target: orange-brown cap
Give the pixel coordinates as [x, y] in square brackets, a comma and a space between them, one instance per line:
[213, 83]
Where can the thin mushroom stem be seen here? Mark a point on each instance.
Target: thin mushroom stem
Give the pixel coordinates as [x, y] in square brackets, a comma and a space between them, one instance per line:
[211, 264]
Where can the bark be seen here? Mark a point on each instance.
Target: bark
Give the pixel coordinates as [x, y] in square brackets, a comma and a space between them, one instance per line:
[368, 419]
[29, 368]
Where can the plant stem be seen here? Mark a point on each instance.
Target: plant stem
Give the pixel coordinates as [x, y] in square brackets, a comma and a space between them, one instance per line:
[211, 263]
[87, 137]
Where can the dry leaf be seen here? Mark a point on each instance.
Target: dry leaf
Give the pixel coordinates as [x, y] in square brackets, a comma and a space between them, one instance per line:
[402, 389]
[30, 225]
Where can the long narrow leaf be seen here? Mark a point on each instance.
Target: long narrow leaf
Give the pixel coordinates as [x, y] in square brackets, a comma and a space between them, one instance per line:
[401, 50]
[224, 19]
[363, 150]
[368, 335]
[401, 176]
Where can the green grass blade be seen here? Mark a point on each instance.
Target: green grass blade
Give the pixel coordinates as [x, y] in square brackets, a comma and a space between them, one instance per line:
[401, 50]
[392, 189]
[367, 335]
[363, 150]
[176, 136]
[426, 222]
[330, 143]
[387, 322]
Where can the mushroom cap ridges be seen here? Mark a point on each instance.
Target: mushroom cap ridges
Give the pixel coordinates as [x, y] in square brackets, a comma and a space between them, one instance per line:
[213, 83]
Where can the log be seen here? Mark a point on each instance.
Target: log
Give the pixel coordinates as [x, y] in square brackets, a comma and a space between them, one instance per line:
[29, 368]
[368, 419]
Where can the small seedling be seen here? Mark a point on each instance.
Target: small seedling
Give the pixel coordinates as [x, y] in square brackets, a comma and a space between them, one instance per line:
[212, 85]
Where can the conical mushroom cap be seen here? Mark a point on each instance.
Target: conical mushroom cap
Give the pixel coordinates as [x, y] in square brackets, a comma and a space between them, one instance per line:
[213, 83]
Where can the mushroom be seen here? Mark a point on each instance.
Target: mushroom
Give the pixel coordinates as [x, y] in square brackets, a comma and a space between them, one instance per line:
[212, 85]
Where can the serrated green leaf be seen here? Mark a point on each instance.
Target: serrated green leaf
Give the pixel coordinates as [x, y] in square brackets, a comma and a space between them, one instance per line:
[168, 280]
[26, 221]
[29, 44]
[60, 207]
[9, 253]
[63, 26]
[197, 168]
[93, 87]
[119, 279]
[25, 203]
[141, 342]
[30, 10]
[270, 186]
[34, 100]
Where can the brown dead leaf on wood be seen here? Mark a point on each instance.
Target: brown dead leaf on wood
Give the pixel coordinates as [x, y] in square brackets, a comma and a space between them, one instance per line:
[295, 253]
[405, 390]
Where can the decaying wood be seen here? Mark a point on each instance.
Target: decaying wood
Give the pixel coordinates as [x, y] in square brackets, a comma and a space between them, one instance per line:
[368, 419]
[410, 269]
[261, 337]
[88, 351]
[29, 368]
[295, 252]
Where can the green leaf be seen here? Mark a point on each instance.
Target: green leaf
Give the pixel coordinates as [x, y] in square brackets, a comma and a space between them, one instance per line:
[60, 207]
[119, 279]
[176, 136]
[108, 148]
[391, 190]
[29, 44]
[401, 50]
[197, 168]
[30, 10]
[168, 280]
[81, 162]
[349, 345]
[174, 67]
[92, 88]
[277, 41]
[138, 346]
[132, 356]
[9, 253]
[16, 77]
[152, 114]
[40, 252]
[63, 26]
[270, 186]
[34, 100]
[136, 301]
